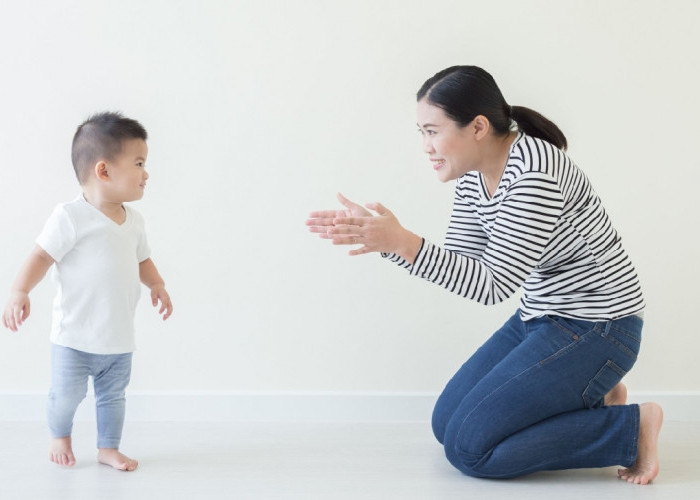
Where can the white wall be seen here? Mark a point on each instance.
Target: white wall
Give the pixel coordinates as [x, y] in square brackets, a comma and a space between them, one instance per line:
[258, 112]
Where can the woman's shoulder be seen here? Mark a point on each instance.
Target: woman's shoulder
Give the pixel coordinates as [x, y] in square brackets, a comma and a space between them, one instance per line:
[532, 154]
[468, 185]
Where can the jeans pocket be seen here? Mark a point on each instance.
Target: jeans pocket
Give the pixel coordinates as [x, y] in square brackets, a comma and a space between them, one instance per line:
[606, 378]
[562, 335]
[626, 341]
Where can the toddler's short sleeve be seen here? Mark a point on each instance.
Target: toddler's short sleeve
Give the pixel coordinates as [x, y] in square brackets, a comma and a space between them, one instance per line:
[143, 251]
[58, 236]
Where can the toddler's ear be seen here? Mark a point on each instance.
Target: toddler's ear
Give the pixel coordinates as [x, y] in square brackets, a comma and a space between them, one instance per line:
[101, 171]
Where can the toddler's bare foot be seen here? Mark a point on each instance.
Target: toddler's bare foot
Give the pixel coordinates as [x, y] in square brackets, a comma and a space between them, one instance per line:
[646, 468]
[61, 451]
[112, 457]
[617, 395]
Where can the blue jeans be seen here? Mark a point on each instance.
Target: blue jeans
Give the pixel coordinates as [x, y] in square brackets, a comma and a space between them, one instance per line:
[531, 399]
[70, 370]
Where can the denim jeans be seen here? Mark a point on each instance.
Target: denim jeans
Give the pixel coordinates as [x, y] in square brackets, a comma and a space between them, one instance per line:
[531, 399]
[70, 370]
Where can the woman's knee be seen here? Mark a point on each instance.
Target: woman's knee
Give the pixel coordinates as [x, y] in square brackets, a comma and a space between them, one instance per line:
[463, 460]
[438, 429]
[442, 413]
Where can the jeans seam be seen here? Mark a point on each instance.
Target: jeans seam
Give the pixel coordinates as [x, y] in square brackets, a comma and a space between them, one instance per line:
[632, 459]
[565, 350]
[609, 364]
[568, 330]
[628, 334]
[622, 347]
[476, 406]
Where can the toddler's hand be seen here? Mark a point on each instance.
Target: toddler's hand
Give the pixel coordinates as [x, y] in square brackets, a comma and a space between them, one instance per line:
[158, 293]
[16, 310]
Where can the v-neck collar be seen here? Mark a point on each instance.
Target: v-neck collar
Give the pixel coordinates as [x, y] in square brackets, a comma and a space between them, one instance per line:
[127, 219]
[482, 182]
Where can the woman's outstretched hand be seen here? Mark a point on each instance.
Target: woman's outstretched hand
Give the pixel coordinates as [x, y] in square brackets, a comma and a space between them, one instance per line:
[358, 226]
[321, 221]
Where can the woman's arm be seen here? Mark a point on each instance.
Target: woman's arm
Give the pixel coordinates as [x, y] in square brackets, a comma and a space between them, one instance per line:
[489, 269]
[518, 235]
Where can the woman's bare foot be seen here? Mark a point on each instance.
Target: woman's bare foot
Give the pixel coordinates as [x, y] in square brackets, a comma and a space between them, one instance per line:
[617, 395]
[61, 451]
[112, 457]
[646, 467]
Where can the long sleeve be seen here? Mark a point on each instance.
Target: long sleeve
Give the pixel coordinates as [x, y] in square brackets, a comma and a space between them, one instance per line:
[490, 265]
[464, 233]
[545, 230]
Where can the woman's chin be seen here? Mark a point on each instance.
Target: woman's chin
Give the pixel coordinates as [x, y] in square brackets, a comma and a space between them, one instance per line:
[444, 176]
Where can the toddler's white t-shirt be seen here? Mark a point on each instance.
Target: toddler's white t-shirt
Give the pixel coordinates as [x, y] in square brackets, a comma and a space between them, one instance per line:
[97, 272]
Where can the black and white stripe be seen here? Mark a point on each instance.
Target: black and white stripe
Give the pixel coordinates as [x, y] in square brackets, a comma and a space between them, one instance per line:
[544, 230]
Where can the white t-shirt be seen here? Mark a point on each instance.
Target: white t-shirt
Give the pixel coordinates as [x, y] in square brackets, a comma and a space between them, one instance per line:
[97, 272]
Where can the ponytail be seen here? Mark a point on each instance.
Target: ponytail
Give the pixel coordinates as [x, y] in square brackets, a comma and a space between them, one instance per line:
[536, 125]
[464, 92]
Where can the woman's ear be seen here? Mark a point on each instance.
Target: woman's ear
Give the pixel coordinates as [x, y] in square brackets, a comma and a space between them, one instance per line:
[482, 126]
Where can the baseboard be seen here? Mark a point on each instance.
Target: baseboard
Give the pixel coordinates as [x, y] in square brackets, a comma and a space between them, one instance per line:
[293, 406]
[681, 406]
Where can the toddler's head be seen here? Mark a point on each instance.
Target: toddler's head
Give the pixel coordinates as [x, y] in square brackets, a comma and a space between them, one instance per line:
[104, 143]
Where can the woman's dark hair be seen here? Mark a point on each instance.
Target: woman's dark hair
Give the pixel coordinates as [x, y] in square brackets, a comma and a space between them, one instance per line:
[100, 137]
[464, 92]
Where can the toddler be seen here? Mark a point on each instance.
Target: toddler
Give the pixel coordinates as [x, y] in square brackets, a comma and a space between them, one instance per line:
[99, 249]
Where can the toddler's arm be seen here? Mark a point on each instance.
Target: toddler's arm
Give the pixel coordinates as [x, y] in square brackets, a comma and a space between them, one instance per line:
[31, 273]
[151, 278]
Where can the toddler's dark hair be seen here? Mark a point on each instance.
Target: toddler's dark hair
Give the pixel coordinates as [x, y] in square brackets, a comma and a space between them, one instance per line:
[100, 137]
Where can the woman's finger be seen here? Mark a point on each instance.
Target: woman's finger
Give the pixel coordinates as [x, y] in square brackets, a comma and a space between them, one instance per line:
[360, 251]
[323, 214]
[351, 221]
[320, 222]
[346, 203]
[379, 208]
[353, 208]
[347, 240]
[344, 230]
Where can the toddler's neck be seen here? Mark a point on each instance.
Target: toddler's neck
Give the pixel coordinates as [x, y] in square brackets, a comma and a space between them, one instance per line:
[113, 210]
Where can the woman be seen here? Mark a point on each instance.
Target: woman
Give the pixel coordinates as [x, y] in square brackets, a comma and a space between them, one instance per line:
[544, 392]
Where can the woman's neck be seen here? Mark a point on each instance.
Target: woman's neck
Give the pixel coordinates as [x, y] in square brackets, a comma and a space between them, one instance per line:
[495, 159]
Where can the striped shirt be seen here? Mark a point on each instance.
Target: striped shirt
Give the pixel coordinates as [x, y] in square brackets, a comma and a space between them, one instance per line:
[545, 230]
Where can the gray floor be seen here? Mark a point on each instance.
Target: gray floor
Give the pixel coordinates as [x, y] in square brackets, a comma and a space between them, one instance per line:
[307, 461]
